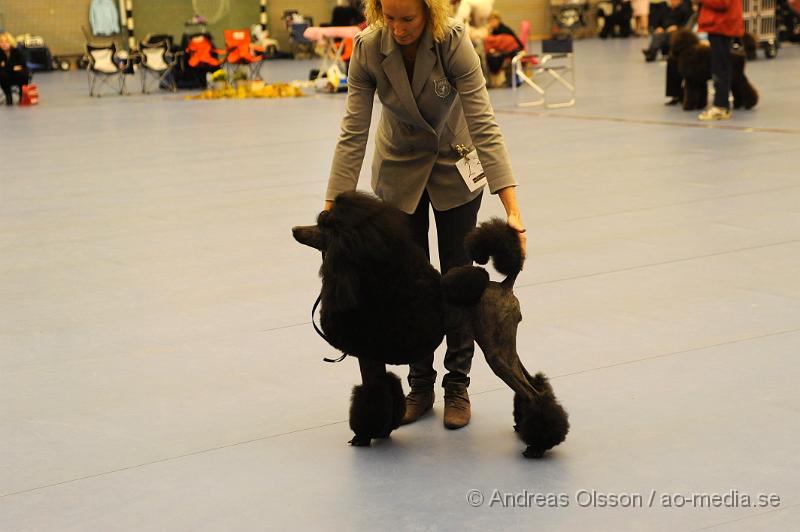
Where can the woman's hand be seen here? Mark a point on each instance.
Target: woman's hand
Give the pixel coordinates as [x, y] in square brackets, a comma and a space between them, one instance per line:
[515, 222]
[508, 196]
[328, 205]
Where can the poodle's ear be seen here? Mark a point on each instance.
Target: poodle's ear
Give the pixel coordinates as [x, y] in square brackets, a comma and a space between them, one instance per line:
[309, 235]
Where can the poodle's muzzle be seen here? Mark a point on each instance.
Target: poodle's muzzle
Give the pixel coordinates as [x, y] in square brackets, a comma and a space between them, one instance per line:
[309, 235]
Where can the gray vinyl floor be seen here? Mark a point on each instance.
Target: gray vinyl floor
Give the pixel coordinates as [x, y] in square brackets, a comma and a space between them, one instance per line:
[159, 372]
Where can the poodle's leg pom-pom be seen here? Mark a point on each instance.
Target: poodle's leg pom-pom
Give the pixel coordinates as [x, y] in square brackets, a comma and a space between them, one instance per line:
[376, 408]
[542, 423]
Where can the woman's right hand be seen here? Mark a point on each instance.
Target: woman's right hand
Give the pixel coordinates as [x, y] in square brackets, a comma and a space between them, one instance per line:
[328, 205]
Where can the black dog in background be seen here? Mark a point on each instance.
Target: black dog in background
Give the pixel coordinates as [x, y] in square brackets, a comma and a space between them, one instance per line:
[383, 303]
[616, 18]
[694, 65]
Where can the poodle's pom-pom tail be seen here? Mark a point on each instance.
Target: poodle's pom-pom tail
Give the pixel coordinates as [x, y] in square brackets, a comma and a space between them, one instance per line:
[464, 285]
[376, 409]
[496, 239]
[542, 423]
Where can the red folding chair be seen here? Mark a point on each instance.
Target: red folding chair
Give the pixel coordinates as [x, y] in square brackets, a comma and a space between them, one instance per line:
[201, 52]
[241, 51]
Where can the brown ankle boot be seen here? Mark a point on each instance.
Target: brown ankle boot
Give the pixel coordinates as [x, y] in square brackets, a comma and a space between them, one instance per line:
[456, 406]
[418, 401]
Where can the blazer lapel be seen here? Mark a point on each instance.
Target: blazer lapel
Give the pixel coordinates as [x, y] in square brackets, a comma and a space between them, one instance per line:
[395, 70]
[424, 63]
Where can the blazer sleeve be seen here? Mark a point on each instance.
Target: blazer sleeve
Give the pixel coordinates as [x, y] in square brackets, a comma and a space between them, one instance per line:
[464, 69]
[352, 144]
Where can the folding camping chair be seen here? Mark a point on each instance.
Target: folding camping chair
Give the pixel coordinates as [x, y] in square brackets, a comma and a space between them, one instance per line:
[157, 62]
[240, 51]
[201, 52]
[198, 58]
[106, 66]
[554, 68]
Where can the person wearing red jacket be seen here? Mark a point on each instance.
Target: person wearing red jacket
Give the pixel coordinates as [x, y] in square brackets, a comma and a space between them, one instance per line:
[721, 20]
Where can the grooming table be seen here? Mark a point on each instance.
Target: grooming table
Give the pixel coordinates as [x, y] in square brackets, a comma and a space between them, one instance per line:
[328, 35]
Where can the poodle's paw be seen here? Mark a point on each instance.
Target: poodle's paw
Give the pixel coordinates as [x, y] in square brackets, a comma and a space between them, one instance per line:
[360, 441]
[531, 452]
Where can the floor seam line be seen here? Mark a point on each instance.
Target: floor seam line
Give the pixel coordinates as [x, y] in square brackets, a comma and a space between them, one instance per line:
[621, 120]
[164, 460]
[679, 204]
[271, 436]
[655, 264]
[774, 510]
[662, 355]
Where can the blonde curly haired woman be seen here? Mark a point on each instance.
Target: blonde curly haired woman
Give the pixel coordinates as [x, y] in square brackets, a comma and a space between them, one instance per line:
[13, 71]
[435, 115]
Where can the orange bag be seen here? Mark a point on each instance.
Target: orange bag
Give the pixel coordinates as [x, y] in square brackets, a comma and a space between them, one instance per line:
[30, 95]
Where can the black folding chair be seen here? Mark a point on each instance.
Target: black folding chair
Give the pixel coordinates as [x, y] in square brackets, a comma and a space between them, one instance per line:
[157, 63]
[105, 67]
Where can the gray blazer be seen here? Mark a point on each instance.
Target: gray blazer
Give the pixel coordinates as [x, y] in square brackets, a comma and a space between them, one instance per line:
[447, 104]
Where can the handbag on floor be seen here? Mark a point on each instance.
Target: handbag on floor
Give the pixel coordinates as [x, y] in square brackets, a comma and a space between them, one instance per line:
[30, 94]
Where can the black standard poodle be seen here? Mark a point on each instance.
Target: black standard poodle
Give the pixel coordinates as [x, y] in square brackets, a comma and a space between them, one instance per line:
[383, 303]
[694, 65]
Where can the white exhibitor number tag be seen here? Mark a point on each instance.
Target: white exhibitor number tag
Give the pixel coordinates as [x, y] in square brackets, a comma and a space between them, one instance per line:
[471, 171]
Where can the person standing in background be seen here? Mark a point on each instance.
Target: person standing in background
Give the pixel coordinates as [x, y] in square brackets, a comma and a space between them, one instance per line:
[641, 12]
[721, 20]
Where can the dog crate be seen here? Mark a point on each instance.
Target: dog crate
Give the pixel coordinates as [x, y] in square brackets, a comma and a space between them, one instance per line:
[760, 21]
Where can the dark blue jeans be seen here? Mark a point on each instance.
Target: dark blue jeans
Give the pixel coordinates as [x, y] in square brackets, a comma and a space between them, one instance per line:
[721, 68]
[451, 228]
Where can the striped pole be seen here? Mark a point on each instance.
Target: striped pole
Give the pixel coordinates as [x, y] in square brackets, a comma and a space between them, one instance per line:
[263, 16]
[129, 22]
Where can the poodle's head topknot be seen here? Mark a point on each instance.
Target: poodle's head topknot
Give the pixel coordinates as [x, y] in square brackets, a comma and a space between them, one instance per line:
[680, 41]
[350, 218]
[364, 242]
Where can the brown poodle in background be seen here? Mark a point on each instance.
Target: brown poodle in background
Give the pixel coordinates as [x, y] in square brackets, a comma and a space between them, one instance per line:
[383, 303]
[694, 65]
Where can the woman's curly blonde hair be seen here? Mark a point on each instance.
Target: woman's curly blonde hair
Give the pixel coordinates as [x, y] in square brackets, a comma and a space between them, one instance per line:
[10, 38]
[437, 11]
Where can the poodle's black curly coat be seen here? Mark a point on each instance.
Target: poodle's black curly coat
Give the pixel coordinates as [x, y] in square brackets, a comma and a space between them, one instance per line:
[694, 65]
[383, 303]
